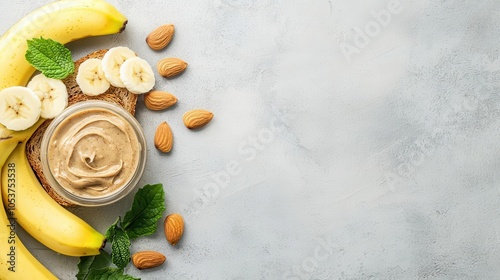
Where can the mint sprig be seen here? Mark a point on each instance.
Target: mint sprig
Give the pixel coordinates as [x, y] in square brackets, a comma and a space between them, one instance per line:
[140, 220]
[51, 58]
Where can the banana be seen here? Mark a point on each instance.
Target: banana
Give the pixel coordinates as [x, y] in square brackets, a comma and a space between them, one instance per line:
[23, 265]
[112, 61]
[20, 108]
[63, 21]
[52, 93]
[16, 262]
[90, 77]
[137, 75]
[42, 217]
[9, 139]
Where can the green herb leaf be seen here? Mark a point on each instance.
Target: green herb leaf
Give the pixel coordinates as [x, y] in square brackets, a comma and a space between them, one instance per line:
[120, 248]
[147, 208]
[89, 263]
[109, 274]
[110, 233]
[52, 58]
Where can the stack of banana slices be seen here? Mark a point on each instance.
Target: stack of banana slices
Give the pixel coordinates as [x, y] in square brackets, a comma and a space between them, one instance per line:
[21, 107]
[120, 67]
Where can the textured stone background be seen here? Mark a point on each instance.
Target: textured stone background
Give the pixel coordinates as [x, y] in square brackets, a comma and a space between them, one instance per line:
[358, 150]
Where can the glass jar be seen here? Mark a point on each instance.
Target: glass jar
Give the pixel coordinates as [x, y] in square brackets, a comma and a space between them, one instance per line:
[93, 153]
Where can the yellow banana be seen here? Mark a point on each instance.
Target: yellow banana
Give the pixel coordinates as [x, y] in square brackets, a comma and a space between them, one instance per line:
[16, 262]
[41, 216]
[63, 21]
[9, 139]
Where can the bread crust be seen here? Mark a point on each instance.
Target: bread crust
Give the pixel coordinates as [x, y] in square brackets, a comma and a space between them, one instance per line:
[119, 96]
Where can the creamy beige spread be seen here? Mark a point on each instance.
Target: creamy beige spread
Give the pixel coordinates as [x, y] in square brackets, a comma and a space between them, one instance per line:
[93, 153]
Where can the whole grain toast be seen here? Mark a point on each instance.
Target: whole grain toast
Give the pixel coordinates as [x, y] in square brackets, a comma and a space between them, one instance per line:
[120, 96]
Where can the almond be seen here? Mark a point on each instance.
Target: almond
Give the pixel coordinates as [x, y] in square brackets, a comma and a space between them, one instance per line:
[160, 37]
[159, 100]
[164, 140]
[169, 67]
[174, 228]
[197, 118]
[147, 259]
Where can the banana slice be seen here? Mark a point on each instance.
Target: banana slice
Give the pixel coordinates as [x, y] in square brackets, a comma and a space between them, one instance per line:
[137, 75]
[52, 93]
[112, 61]
[20, 108]
[91, 78]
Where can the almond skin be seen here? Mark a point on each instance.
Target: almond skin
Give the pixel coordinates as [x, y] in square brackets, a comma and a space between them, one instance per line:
[160, 37]
[174, 228]
[159, 100]
[148, 259]
[170, 67]
[197, 118]
[164, 139]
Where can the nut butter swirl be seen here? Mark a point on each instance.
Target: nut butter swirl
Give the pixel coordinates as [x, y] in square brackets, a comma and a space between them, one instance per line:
[93, 153]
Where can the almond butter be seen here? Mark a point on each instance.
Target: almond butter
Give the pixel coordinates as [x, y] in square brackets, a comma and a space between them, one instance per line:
[159, 100]
[169, 67]
[197, 118]
[148, 259]
[160, 37]
[164, 140]
[174, 228]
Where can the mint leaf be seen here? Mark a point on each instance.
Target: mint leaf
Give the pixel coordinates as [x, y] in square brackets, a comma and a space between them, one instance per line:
[147, 208]
[141, 220]
[89, 263]
[52, 58]
[109, 274]
[110, 233]
[120, 248]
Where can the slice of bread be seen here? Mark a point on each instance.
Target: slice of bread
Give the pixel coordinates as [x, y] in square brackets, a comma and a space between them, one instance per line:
[120, 96]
